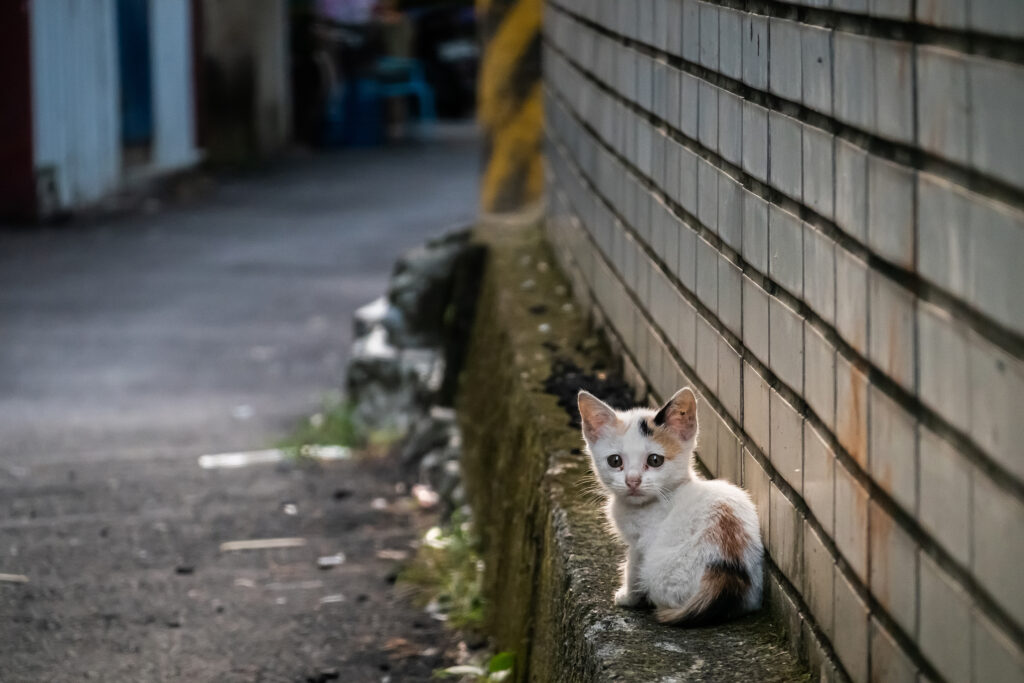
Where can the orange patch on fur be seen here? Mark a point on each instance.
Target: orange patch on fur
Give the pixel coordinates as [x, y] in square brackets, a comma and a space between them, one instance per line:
[669, 444]
[719, 597]
[727, 532]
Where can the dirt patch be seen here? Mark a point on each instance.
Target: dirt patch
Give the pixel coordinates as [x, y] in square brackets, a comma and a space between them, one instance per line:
[567, 378]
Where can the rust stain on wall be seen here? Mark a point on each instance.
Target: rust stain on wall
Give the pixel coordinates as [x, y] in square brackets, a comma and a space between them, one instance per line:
[852, 423]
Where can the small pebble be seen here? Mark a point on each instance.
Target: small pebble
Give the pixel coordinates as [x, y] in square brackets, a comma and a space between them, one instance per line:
[544, 328]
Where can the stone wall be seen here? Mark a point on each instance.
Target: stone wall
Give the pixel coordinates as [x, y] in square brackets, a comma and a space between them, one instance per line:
[813, 216]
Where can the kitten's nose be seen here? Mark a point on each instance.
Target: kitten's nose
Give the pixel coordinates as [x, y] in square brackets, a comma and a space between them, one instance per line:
[633, 481]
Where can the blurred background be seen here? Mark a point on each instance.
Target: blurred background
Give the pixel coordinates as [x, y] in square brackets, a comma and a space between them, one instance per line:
[102, 94]
[195, 196]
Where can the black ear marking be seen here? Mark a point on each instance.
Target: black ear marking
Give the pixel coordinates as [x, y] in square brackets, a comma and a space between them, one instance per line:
[659, 419]
[645, 429]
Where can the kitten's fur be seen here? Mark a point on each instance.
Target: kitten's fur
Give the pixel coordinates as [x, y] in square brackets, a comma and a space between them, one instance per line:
[694, 545]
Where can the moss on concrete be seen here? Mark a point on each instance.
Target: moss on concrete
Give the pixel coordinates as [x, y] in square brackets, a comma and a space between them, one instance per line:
[551, 566]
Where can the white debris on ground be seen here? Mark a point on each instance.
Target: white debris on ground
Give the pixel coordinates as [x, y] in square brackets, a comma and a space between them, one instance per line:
[215, 461]
[262, 544]
[328, 561]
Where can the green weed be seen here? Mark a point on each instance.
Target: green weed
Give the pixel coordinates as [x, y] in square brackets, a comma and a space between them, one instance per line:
[447, 574]
[335, 425]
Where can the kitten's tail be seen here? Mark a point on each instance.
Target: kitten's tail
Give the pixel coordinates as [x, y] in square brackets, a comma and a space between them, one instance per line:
[720, 597]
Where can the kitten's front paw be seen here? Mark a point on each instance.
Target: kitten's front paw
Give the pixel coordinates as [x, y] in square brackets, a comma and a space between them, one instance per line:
[625, 598]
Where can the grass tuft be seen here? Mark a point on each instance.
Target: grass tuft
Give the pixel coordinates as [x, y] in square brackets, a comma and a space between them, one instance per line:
[335, 425]
[447, 574]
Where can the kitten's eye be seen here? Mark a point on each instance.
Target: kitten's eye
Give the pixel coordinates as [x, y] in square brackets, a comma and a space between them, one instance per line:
[655, 460]
[615, 461]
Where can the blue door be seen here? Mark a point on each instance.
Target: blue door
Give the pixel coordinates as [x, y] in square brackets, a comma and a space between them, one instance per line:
[136, 75]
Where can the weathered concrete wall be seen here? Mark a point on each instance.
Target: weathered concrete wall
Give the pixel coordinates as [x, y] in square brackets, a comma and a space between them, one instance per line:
[246, 78]
[813, 216]
[551, 565]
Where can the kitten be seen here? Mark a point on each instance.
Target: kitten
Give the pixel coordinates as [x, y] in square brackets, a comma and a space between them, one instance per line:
[694, 545]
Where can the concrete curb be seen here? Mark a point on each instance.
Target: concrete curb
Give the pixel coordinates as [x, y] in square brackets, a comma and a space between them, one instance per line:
[551, 565]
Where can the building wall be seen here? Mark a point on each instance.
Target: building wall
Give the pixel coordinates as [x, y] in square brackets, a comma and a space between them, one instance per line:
[17, 187]
[246, 77]
[813, 216]
[174, 140]
[273, 78]
[75, 101]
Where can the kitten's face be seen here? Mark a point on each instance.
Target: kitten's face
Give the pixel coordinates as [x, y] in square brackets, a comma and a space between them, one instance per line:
[639, 455]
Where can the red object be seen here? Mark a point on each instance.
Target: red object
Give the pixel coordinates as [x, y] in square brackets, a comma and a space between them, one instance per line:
[17, 182]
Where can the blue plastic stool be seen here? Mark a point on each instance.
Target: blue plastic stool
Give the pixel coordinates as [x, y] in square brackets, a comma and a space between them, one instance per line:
[401, 77]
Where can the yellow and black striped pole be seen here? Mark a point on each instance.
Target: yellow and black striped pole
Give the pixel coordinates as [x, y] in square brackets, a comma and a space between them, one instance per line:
[510, 103]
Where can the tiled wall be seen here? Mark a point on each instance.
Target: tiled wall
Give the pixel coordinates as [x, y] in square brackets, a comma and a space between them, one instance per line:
[812, 214]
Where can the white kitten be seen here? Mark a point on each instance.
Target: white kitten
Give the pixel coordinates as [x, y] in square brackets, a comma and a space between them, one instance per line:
[694, 545]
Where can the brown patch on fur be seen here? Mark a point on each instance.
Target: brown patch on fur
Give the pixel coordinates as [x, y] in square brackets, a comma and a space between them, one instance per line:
[670, 446]
[720, 597]
[727, 533]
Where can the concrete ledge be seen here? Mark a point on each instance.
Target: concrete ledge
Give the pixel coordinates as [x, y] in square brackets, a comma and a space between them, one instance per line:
[551, 565]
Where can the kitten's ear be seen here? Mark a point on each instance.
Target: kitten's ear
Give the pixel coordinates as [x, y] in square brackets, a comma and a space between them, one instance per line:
[679, 415]
[595, 414]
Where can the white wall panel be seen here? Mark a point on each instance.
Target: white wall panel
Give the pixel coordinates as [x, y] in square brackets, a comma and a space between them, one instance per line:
[173, 91]
[76, 111]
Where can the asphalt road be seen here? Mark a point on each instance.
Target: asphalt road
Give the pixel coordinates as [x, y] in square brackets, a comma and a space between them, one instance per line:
[131, 345]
